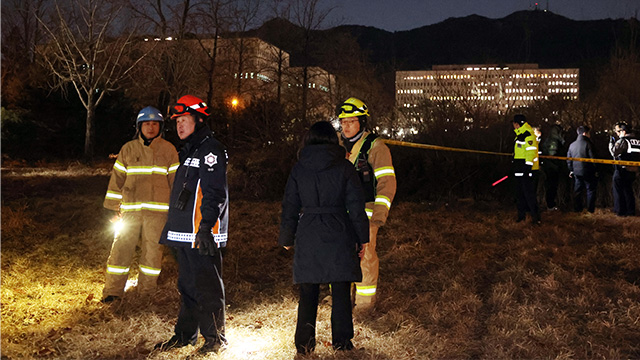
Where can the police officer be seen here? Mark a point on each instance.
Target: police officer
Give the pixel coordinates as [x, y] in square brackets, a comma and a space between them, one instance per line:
[138, 192]
[525, 161]
[626, 148]
[372, 160]
[197, 229]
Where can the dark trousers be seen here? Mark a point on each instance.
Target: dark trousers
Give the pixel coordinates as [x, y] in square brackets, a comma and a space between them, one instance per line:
[624, 202]
[552, 175]
[202, 296]
[341, 317]
[582, 183]
[526, 197]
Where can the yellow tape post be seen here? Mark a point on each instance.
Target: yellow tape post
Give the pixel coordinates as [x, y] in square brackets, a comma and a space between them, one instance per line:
[444, 148]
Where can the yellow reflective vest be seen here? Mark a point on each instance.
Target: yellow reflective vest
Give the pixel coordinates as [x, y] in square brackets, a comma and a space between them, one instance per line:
[142, 176]
[385, 189]
[526, 147]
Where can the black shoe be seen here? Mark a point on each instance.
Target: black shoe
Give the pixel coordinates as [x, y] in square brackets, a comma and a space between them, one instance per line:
[343, 345]
[304, 350]
[214, 347]
[173, 343]
[110, 299]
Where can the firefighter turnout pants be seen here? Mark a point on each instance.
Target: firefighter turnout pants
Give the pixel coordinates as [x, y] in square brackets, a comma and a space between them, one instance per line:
[366, 290]
[136, 228]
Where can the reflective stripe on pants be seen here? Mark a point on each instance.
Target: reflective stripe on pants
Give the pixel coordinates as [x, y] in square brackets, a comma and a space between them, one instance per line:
[137, 228]
[366, 290]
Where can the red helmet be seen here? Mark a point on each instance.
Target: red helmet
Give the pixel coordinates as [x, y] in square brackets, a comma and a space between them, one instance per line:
[189, 104]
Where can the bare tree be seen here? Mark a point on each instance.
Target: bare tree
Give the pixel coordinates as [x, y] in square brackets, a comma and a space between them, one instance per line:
[21, 17]
[308, 15]
[169, 25]
[245, 14]
[87, 48]
[214, 16]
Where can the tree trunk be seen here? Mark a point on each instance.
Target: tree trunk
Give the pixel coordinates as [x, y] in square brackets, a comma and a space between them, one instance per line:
[305, 89]
[88, 136]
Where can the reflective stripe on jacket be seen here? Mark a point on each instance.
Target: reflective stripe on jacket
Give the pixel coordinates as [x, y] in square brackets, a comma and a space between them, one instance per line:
[380, 160]
[203, 175]
[525, 151]
[142, 176]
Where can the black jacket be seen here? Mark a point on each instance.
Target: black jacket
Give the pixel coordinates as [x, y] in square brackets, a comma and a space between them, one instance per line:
[323, 216]
[581, 148]
[203, 173]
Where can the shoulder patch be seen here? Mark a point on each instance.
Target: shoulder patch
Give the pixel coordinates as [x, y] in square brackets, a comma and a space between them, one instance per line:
[210, 159]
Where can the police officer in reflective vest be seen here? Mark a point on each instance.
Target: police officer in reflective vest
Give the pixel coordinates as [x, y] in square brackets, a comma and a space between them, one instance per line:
[626, 148]
[372, 160]
[197, 228]
[138, 192]
[525, 161]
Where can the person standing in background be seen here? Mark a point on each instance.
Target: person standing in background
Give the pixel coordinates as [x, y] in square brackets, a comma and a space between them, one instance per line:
[583, 173]
[525, 158]
[552, 145]
[626, 148]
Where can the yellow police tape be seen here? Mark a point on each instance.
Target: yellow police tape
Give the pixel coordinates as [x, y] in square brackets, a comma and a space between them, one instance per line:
[444, 148]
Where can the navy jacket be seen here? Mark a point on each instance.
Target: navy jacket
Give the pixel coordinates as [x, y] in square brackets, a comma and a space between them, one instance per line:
[203, 174]
[581, 148]
[323, 215]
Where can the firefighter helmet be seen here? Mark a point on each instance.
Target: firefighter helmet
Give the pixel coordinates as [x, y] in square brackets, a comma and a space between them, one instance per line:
[149, 114]
[189, 104]
[352, 107]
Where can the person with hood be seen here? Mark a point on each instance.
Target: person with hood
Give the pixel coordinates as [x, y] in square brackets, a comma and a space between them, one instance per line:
[197, 228]
[552, 145]
[324, 220]
[525, 161]
[583, 173]
[138, 193]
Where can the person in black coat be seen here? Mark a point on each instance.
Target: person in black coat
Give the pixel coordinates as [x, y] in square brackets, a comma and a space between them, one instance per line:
[553, 145]
[323, 217]
[583, 173]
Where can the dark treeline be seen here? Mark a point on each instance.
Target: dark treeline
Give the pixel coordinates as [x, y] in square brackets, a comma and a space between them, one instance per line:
[73, 83]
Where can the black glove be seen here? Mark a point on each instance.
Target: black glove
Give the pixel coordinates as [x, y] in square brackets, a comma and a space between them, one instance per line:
[205, 243]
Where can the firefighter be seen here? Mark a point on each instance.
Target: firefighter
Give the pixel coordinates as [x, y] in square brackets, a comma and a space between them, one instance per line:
[197, 229]
[525, 162]
[372, 160]
[138, 192]
[626, 148]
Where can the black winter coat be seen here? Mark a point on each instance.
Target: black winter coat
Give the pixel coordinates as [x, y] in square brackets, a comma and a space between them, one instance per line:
[203, 173]
[323, 217]
[581, 148]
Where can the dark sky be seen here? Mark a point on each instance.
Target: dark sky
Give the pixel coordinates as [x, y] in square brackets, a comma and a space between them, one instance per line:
[395, 15]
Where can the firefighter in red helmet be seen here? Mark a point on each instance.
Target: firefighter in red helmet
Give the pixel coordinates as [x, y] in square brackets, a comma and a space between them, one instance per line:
[197, 229]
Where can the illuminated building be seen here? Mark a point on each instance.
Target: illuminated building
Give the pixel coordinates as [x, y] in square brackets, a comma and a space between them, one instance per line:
[492, 86]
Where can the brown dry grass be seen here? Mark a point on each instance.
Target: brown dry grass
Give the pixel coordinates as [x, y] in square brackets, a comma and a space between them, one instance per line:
[457, 281]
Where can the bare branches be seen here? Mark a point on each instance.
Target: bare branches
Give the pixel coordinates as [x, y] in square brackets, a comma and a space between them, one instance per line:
[81, 52]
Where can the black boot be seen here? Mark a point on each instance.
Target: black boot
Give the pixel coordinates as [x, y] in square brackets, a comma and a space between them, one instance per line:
[173, 343]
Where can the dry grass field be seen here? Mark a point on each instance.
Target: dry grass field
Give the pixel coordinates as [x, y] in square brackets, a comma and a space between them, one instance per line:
[458, 281]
